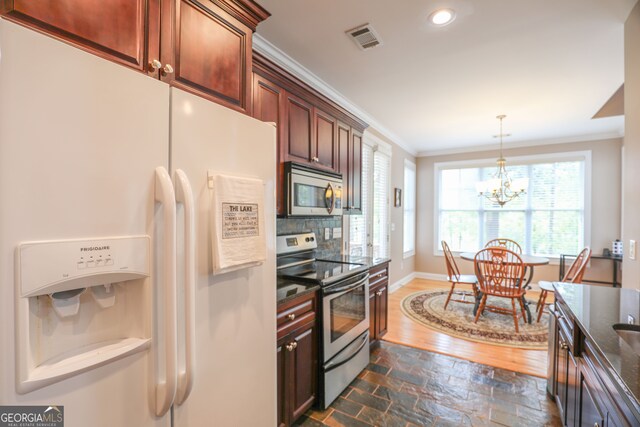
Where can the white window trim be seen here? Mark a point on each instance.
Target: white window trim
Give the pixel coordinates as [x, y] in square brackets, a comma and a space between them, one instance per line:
[517, 160]
[408, 164]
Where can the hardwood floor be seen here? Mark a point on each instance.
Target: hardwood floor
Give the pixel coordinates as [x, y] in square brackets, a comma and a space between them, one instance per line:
[403, 330]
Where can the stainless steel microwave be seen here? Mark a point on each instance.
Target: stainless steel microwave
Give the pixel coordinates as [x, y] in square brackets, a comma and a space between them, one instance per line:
[312, 192]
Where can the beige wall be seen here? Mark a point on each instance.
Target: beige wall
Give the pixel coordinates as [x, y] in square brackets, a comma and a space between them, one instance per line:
[631, 179]
[605, 206]
[399, 267]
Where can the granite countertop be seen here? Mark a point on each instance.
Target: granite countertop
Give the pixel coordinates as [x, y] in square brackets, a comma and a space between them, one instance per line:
[597, 309]
[287, 289]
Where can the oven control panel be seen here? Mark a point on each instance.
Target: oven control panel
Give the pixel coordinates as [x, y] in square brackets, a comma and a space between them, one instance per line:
[289, 243]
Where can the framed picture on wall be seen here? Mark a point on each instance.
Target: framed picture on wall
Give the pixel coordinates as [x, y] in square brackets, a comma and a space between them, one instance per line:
[397, 197]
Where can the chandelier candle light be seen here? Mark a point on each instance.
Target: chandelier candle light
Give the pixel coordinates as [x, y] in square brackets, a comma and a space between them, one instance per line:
[500, 188]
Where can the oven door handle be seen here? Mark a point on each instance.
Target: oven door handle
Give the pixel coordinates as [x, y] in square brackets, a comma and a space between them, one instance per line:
[331, 291]
[353, 353]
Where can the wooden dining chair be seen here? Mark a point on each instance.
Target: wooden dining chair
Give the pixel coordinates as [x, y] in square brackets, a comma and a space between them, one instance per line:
[455, 278]
[573, 275]
[512, 245]
[500, 273]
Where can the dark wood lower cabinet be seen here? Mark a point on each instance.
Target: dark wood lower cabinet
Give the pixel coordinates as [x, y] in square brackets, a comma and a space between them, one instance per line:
[281, 368]
[572, 391]
[297, 358]
[584, 392]
[304, 368]
[591, 414]
[562, 364]
[378, 299]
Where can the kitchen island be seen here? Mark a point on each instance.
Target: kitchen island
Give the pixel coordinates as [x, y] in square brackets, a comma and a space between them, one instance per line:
[596, 373]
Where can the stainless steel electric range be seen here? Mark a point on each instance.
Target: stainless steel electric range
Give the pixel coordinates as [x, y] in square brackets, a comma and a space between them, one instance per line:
[344, 310]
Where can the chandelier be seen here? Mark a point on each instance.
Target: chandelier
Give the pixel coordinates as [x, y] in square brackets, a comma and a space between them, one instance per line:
[500, 188]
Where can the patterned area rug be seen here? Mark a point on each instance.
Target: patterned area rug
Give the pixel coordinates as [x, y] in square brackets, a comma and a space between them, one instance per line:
[427, 308]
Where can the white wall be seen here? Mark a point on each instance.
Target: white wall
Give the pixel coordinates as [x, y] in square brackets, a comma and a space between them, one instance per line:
[630, 215]
[605, 209]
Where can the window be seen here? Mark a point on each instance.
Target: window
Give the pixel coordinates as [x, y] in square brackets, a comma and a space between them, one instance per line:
[381, 181]
[369, 232]
[552, 218]
[409, 203]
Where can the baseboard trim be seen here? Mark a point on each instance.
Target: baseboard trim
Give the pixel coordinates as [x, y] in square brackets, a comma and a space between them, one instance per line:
[400, 283]
[431, 276]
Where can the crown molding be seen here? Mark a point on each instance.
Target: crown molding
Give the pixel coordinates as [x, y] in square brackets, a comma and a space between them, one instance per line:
[379, 144]
[521, 144]
[280, 58]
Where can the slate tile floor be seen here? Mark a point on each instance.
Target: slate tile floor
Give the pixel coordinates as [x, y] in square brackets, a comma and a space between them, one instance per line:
[405, 387]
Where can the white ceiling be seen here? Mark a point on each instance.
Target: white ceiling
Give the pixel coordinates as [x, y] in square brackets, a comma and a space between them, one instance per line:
[549, 65]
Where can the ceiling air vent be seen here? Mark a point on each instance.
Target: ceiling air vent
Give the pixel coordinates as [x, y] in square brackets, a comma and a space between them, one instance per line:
[364, 36]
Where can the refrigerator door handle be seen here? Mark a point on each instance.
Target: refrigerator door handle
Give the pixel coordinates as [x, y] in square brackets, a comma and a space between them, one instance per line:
[166, 390]
[184, 195]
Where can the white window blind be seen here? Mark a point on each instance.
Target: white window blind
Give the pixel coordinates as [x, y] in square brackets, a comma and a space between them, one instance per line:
[369, 232]
[358, 224]
[549, 220]
[381, 180]
[409, 203]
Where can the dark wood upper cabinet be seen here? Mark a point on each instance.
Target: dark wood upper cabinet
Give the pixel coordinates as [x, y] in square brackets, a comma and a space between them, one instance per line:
[350, 166]
[313, 129]
[344, 144]
[203, 47]
[298, 142]
[355, 178]
[269, 106]
[116, 30]
[326, 142]
[209, 52]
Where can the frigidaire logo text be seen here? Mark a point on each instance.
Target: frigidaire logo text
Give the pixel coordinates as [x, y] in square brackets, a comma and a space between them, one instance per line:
[94, 248]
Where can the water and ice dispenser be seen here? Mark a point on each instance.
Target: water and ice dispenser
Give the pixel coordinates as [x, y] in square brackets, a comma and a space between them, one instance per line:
[80, 304]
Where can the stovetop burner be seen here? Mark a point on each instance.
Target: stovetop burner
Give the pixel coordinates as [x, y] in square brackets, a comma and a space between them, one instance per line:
[322, 272]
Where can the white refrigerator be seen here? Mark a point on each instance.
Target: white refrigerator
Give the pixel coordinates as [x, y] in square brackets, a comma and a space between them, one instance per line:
[108, 303]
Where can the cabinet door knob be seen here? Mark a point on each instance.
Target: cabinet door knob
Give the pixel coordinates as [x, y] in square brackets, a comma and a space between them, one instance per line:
[294, 344]
[291, 316]
[289, 347]
[379, 293]
[564, 345]
[167, 69]
[155, 65]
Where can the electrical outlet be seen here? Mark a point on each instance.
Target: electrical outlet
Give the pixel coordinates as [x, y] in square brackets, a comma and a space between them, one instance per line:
[632, 249]
[327, 234]
[337, 232]
[393, 226]
[631, 320]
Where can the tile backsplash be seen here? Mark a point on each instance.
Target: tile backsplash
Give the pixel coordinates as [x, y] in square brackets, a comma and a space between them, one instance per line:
[317, 225]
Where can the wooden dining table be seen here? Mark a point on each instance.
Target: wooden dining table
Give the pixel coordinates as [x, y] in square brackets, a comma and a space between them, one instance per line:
[529, 261]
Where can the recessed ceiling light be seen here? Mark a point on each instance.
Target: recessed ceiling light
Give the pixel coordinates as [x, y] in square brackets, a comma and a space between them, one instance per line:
[442, 17]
